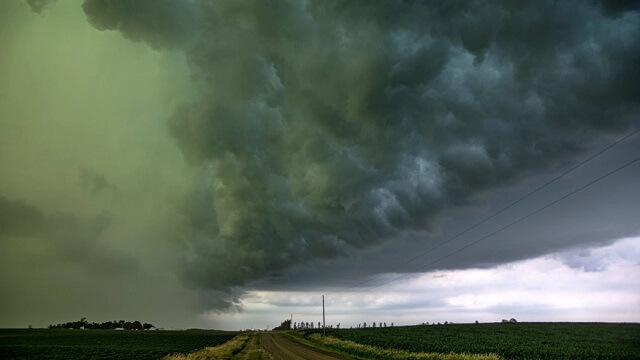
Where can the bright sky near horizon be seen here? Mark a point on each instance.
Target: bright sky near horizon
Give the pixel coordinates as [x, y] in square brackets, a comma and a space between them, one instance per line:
[225, 164]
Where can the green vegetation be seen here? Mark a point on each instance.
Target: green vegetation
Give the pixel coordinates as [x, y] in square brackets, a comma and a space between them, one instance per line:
[510, 341]
[103, 344]
[220, 352]
[361, 351]
[285, 325]
[83, 323]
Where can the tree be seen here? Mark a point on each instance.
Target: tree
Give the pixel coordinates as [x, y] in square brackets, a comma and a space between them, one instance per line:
[285, 325]
[83, 323]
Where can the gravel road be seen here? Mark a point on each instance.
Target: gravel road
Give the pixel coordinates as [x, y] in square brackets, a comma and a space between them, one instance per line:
[281, 347]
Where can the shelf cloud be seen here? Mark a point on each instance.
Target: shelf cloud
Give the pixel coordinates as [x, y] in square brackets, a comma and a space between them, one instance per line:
[326, 127]
[201, 152]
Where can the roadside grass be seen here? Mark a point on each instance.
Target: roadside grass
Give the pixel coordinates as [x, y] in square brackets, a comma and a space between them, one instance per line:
[224, 351]
[253, 351]
[361, 351]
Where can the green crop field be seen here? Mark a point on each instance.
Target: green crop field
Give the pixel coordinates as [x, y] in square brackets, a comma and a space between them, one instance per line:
[103, 344]
[510, 341]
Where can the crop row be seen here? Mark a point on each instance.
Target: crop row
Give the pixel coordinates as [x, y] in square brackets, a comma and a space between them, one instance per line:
[511, 341]
[101, 344]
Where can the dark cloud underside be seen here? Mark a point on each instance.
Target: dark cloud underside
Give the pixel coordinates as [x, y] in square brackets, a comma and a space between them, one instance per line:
[324, 127]
[161, 23]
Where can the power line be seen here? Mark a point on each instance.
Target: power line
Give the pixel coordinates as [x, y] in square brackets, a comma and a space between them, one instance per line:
[411, 260]
[497, 231]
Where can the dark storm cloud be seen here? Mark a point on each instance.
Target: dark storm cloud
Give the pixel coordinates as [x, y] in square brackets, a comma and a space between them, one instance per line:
[325, 127]
[94, 181]
[75, 240]
[38, 6]
[59, 238]
[616, 8]
[161, 23]
[19, 218]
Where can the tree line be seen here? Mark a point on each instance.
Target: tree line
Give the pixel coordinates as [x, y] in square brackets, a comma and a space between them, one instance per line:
[108, 325]
[287, 325]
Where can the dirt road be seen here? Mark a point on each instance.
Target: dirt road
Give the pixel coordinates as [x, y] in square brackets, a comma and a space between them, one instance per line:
[278, 346]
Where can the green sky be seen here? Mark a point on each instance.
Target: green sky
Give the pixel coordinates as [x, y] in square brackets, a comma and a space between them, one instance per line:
[83, 142]
[162, 160]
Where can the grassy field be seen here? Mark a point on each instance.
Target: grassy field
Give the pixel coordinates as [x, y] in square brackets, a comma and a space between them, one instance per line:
[103, 344]
[510, 341]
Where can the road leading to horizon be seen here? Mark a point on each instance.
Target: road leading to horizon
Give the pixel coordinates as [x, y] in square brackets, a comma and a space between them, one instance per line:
[278, 346]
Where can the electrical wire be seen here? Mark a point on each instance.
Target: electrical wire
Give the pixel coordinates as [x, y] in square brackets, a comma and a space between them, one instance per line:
[494, 232]
[482, 221]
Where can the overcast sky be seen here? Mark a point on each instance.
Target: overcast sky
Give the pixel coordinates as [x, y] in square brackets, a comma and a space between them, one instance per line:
[224, 164]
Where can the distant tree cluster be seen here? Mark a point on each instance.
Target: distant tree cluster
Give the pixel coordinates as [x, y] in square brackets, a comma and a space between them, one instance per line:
[109, 325]
[380, 324]
[303, 325]
[285, 325]
[310, 325]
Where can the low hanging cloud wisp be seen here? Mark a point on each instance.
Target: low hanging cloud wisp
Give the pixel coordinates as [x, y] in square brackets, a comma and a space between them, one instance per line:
[323, 127]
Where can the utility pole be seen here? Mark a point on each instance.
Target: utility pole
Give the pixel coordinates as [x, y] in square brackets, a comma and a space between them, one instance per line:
[324, 331]
[291, 323]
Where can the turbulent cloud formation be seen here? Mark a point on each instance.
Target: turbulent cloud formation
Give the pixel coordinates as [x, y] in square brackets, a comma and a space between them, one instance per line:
[95, 182]
[161, 23]
[528, 290]
[38, 6]
[324, 127]
[18, 218]
[60, 237]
